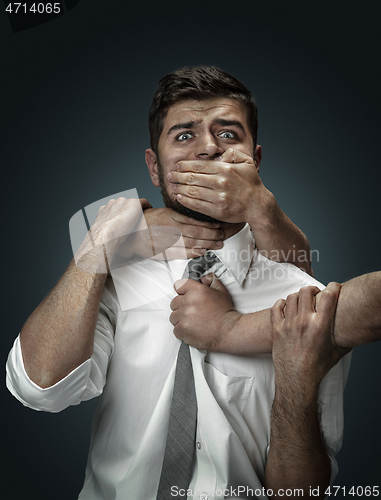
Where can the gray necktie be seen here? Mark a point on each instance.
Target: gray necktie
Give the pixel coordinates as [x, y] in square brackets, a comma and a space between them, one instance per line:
[179, 449]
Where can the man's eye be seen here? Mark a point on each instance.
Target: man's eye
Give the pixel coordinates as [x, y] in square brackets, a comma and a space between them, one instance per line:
[184, 136]
[227, 135]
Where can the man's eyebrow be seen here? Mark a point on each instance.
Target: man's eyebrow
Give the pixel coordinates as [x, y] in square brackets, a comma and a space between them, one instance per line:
[218, 121]
[229, 123]
[179, 126]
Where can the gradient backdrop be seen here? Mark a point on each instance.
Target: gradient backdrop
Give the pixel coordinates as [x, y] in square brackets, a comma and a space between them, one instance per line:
[75, 93]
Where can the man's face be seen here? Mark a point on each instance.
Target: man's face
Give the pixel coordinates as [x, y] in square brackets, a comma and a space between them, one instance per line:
[197, 130]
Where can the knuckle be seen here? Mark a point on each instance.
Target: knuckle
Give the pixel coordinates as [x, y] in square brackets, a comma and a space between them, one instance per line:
[222, 182]
[173, 304]
[199, 232]
[190, 179]
[223, 197]
[192, 191]
[196, 204]
[330, 295]
[176, 332]
[212, 245]
[228, 167]
[191, 242]
[303, 323]
[292, 297]
[172, 319]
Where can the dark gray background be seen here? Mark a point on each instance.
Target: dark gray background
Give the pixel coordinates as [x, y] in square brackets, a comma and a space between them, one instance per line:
[75, 95]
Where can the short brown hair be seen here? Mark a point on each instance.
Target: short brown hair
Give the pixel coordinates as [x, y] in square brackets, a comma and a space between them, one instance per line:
[197, 83]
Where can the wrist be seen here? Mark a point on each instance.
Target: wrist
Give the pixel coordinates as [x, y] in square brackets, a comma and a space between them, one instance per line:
[230, 341]
[299, 391]
[261, 216]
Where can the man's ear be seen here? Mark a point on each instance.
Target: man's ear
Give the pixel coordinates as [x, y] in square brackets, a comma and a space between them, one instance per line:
[258, 156]
[153, 167]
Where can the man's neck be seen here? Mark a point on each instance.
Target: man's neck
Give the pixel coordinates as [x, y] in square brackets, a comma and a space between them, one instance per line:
[231, 229]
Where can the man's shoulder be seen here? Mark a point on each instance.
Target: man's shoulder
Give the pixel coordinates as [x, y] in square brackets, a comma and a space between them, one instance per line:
[267, 281]
[273, 270]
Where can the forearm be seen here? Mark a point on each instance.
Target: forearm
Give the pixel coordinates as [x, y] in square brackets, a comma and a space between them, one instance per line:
[357, 319]
[248, 334]
[59, 334]
[358, 314]
[278, 238]
[297, 456]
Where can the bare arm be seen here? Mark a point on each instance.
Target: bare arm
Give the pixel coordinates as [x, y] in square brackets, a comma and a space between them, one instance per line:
[303, 353]
[59, 334]
[231, 190]
[357, 320]
[358, 315]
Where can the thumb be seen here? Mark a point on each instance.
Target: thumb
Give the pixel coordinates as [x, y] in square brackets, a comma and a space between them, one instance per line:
[233, 156]
[212, 281]
[145, 203]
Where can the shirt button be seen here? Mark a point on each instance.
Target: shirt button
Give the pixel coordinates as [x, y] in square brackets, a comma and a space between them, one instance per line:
[203, 496]
[198, 444]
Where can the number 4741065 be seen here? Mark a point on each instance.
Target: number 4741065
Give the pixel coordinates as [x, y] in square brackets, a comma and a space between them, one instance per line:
[355, 491]
[37, 8]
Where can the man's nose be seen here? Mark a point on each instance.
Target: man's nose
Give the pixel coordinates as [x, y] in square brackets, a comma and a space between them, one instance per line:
[208, 148]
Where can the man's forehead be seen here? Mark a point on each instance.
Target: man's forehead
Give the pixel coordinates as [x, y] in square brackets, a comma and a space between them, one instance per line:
[198, 110]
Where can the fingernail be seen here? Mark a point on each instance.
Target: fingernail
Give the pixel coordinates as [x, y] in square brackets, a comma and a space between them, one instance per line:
[218, 158]
[179, 197]
[169, 176]
[219, 243]
[177, 166]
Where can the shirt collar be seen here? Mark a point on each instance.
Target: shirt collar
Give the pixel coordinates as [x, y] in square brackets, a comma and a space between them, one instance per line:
[237, 253]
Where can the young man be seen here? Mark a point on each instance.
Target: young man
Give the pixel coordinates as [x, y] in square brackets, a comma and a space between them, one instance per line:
[79, 343]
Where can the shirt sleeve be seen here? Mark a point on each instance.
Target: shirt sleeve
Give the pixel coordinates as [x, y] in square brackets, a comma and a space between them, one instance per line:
[84, 382]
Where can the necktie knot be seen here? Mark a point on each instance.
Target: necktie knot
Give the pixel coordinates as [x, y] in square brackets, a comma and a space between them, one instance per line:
[199, 265]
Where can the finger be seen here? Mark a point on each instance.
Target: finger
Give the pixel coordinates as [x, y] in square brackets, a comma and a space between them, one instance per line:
[328, 301]
[192, 179]
[145, 203]
[197, 166]
[185, 285]
[176, 303]
[277, 311]
[208, 244]
[306, 301]
[233, 156]
[174, 318]
[183, 219]
[164, 237]
[202, 233]
[177, 332]
[180, 253]
[292, 305]
[205, 207]
[197, 192]
[207, 279]
[215, 283]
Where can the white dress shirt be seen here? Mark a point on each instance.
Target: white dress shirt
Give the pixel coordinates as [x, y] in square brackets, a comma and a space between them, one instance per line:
[132, 370]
